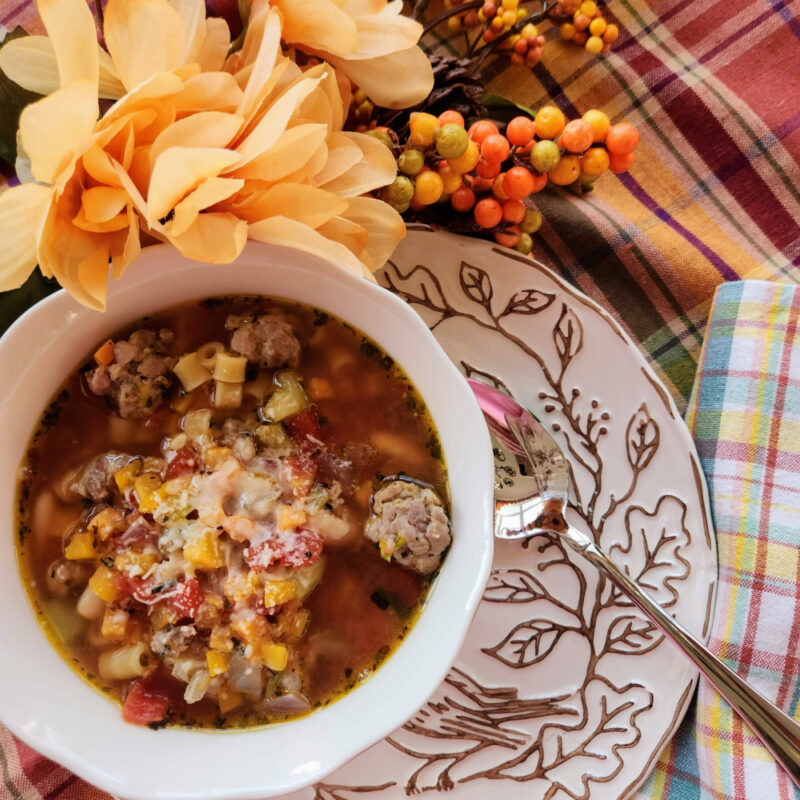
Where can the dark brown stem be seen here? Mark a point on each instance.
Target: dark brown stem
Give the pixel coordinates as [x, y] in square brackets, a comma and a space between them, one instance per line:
[445, 15]
[98, 7]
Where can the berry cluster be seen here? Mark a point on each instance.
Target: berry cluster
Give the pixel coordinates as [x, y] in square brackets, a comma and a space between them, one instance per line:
[589, 28]
[527, 46]
[493, 175]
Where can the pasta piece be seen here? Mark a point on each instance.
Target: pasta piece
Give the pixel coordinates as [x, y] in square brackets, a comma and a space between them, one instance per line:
[230, 368]
[227, 395]
[191, 371]
[208, 353]
[196, 423]
[124, 663]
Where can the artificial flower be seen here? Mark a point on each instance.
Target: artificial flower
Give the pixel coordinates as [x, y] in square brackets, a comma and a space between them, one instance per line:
[370, 41]
[200, 150]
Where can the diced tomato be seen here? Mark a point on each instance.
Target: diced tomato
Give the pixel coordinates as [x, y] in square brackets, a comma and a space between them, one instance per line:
[187, 598]
[296, 549]
[145, 703]
[131, 587]
[301, 472]
[305, 429]
[184, 462]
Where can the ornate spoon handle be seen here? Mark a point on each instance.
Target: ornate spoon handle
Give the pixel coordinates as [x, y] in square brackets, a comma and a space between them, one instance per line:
[778, 732]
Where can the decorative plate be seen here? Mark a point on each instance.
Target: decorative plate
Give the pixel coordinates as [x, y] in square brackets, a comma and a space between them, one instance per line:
[563, 691]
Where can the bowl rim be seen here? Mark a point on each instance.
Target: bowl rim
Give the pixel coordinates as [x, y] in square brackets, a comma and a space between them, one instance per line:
[18, 348]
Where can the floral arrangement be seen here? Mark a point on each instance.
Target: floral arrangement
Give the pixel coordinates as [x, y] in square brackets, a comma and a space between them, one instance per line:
[296, 133]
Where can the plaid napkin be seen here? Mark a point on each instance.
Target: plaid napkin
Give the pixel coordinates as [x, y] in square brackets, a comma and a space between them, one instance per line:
[744, 414]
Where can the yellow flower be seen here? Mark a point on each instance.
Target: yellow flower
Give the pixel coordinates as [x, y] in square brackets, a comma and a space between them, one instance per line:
[370, 41]
[200, 150]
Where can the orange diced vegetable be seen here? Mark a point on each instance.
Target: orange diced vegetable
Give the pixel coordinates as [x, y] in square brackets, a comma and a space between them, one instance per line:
[105, 353]
[103, 585]
[81, 547]
[319, 389]
[228, 699]
[290, 517]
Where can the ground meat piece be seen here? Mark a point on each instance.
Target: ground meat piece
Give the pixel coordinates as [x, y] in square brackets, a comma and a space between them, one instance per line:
[408, 520]
[94, 481]
[174, 639]
[266, 340]
[140, 376]
[65, 576]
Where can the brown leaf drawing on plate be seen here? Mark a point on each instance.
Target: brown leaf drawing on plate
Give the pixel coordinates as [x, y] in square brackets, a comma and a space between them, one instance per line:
[331, 791]
[567, 751]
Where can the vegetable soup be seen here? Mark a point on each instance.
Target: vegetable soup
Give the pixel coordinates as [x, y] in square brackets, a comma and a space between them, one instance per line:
[232, 513]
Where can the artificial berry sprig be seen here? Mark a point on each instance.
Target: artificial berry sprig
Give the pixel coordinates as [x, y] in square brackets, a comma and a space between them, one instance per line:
[589, 28]
[493, 175]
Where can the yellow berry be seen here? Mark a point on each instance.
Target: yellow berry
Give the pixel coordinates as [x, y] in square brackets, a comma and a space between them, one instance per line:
[423, 129]
[509, 5]
[594, 44]
[430, 188]
[589, 7]
[567, 30]
[497, 24]
[466, 162]
[529, 31]
[549, 122]
[509, 18]
[451, 180]
[566, 172]
[521, 14]
[598, 122]
[359, 97]
[455, 24]
[597, 26]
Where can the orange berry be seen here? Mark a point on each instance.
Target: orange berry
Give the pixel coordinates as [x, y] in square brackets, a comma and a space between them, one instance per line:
[462, 199]
[489, 9]
[451, 117]
[451, 179]
[581, 21]
[577, 136]
[497, 24]
[488, 212]
[467, 161]
[518, 183]
[598, 122]
[549, 122]
[566, 172]
[539, 182]
[520, 131]
[595, 161]
[620, 162]
[498, 190]
[509, 237]
[487, 169]
[588, 7]
[611, 34]
[479, 185]
[580, 38]
[429, 187]
[489, 35]
[514, 211]
[622, 139]
[566, 30]
[479, 130]
[495, 148]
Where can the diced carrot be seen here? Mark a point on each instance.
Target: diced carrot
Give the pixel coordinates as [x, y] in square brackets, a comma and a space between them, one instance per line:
[105, 353]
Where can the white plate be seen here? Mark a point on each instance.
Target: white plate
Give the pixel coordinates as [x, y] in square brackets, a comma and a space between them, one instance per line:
[562, 690]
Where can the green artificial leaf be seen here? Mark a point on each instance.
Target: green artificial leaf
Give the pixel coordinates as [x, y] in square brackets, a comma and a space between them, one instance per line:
[15, 303]
[13, 98]
[497, 103]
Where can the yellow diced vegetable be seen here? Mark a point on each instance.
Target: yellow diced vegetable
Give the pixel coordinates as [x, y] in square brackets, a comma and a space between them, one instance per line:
[214, 456]
[134, 564]
[220, 638]
[290, 517]
[387, 549]
[277, 592]
[81, 547]
[146, 487]
[103, 585]
[182, 404]
[104, 354]
[274, 656]
[106, 523]
[217, 662]
[124, 477]
[115, 624]
[228, 699]
[320, 389]
[205, 551]
[296, 624]
[162, 616]
[287, 400]
[272, 436]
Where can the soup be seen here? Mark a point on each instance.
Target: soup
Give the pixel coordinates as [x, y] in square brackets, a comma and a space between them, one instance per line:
[232, 513]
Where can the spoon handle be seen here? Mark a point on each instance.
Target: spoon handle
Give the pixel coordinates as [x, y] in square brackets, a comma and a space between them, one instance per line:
[779, 733]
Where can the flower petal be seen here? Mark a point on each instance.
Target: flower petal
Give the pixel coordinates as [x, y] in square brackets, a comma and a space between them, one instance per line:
[381, 34]
[179, 170]
[288, 154]
[93, 276]
[160, 86]
[214, 238]
[356, 8]
[210, 192]
[306, 204]
[263, 64]
[103, 203]
[287, 232]
[318, 25]
[57, 128]
[378, 77]
[376, 168]
[204, 129]
[70, 25]
[30, 61]
[349, 233]
[214, 48]
[192, 14]
[209, 91]
[384, 226]
[121, 259]
[22, 209]
[143, 37]
[343, 154]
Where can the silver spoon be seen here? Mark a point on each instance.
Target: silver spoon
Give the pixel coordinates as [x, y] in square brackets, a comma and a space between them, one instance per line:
[543, 513]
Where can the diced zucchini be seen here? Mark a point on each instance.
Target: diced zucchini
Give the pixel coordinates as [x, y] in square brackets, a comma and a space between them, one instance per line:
[287, 400]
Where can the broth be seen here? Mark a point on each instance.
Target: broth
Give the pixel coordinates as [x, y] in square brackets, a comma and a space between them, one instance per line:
[208, 562]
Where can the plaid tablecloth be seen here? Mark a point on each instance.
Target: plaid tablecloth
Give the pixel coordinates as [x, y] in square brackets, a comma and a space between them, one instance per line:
[714, 196]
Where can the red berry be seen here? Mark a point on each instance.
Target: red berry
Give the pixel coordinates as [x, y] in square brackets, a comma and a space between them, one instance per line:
[489, 9]
[620, 162]
[462, 199]
[451, 117]
[513, 211]
[486, 169]
[521, 45]
[622, 139]
[539, 182]
[518, 183]
[488, 213]
[520, 131]
[577, 136]
[479, 130]
[495, 148]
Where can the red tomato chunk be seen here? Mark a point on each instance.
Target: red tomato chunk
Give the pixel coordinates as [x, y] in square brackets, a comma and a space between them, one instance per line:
[145, 703]
[184, 462]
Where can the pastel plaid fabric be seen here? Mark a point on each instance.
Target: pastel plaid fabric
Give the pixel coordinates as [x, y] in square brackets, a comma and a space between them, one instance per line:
[714, 196]
[745, 417]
